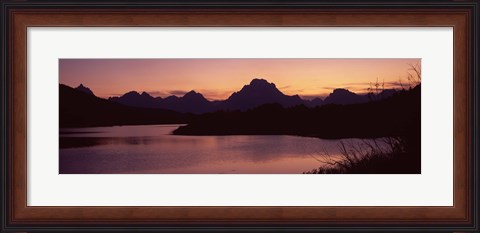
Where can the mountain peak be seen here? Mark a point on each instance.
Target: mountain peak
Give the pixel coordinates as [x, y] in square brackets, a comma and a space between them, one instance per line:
[257, 85]
[341, 90]
[131, 93]
[257, 93]
[145, 94]
[260, 86]
[344, 96]
[260, 82]
[84, 89]
[194, 95]
[192, 92]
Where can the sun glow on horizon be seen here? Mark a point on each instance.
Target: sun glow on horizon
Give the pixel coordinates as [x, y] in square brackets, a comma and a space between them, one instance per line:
[217, 79]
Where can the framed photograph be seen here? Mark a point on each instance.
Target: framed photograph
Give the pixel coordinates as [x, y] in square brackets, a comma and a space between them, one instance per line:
[243, 116]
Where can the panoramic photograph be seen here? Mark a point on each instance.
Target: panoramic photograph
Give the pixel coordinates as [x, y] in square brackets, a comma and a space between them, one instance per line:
[240, 116]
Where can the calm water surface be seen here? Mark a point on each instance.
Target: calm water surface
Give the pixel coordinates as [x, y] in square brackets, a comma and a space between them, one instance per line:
[152, 149]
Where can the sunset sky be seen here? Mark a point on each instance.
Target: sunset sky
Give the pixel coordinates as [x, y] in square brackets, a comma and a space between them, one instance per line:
[217, 79]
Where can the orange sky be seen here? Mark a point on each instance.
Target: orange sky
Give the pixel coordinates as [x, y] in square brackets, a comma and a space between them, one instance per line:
[216, 79]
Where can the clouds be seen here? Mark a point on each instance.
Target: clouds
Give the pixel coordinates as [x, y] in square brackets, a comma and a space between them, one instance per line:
[217, 79]
[178, 92]
[157, 93]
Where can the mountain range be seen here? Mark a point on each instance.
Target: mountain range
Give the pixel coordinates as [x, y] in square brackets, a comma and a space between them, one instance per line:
[258, 92]
[81, 108]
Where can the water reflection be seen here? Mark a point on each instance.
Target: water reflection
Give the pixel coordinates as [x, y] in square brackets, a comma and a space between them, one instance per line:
[152, 149]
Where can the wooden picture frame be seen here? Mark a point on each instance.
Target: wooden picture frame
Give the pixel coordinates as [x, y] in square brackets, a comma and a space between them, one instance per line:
[463, 16]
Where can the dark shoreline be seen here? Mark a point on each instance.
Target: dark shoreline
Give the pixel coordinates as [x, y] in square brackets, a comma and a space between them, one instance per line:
[399, 115]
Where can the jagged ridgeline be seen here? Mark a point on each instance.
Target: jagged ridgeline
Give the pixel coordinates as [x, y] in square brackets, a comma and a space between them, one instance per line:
[377, 133]
[257, 93]
[258, 108]
[79, 107]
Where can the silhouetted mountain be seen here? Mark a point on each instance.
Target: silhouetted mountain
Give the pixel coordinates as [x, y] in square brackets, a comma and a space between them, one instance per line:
[170, 101]
[397, 119]
[257, 93]
[135, 99]
[79, 109]
[191, 102]
[344, 96]
[84, 89]
[314, 102]
[398, 115]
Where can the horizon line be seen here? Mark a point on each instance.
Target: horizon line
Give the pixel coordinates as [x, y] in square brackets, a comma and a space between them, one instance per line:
[303, 97]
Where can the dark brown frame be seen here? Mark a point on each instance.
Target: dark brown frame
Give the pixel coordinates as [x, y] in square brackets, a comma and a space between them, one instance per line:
[461, 16]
